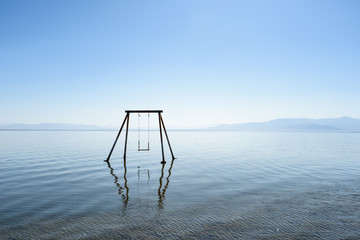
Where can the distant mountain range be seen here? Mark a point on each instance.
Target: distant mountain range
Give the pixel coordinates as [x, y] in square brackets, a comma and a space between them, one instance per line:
[54, 126]
[343, 124]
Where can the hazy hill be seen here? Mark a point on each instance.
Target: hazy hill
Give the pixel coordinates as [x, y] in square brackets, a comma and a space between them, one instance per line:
[53, 126]
[343, 124]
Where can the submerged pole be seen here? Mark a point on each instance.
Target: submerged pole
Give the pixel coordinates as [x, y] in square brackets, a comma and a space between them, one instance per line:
[161, 139]
[126, 135]
[167, 138]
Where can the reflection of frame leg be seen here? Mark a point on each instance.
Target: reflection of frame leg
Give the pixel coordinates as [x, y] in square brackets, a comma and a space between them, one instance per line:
[167, 138]
[126, 199]
[168, 178]
[161, 139]
[160, 186]
[117, 137]
[126, 135]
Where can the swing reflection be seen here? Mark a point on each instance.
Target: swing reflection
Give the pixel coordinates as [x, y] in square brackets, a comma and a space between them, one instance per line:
[123, 191]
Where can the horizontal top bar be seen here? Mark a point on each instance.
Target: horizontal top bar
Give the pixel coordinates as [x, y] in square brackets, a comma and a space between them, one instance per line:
[143, 111]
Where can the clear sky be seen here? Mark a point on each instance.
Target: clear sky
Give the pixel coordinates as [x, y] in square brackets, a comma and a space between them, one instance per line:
[203, 62]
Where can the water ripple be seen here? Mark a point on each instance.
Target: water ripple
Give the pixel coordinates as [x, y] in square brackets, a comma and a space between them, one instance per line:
[223, 185]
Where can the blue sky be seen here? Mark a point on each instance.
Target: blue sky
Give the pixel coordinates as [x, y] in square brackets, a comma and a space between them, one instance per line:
[202, 62]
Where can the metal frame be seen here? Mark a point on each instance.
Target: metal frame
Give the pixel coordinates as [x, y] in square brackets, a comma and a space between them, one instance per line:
[161, 126]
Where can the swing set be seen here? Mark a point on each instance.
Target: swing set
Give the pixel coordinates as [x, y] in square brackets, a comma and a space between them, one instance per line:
[161, 126]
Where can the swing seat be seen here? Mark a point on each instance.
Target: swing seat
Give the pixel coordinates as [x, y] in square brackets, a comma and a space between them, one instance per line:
[143, 149]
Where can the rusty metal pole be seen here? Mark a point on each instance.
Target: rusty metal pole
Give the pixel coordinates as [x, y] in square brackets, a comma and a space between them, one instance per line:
[126, 135]
[167, 138]
[117, 137]
[161, 139]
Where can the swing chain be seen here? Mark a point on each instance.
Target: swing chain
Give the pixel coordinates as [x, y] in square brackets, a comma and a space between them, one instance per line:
[139, 137]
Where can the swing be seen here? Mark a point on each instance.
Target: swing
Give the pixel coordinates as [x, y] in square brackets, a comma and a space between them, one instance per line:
[148, 137]
[161, 128]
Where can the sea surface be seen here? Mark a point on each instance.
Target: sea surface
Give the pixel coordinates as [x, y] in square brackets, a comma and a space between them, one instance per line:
[222, 185]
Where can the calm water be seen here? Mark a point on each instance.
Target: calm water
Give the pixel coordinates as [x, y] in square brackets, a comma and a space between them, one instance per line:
[230, 185]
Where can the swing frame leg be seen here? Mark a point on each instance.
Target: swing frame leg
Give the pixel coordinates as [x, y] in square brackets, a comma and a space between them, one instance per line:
[167, 138]
[161, 139]
[126, 135]
[117, 137]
